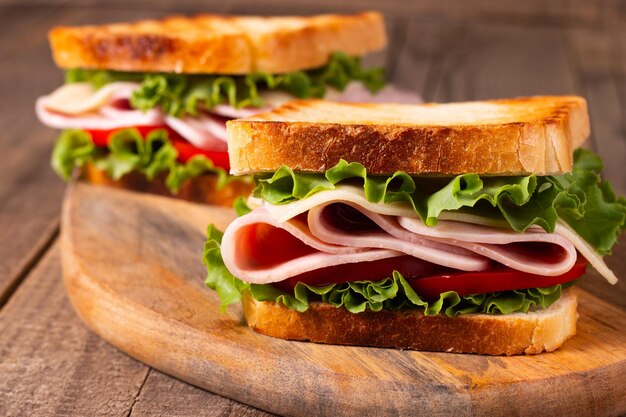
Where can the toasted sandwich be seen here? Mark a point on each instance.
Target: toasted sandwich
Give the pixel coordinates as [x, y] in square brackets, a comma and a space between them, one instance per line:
[145, 103]
[443, 227]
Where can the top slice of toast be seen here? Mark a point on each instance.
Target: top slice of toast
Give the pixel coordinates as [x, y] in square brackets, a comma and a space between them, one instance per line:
[516, 136]
[213, 44]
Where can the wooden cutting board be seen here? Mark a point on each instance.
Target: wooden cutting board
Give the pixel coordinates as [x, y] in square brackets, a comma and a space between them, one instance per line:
[132, 267]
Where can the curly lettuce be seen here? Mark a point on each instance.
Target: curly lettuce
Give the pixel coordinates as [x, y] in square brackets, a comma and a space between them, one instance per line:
[392, 293]
[180, 94]
[127, 152]
[581, 198]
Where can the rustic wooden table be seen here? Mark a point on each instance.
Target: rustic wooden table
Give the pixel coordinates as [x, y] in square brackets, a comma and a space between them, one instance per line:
[51, 364]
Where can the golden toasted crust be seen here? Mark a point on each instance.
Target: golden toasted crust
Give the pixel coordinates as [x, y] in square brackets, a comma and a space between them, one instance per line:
[498, 137]
[213, 44]
[513, 334]
[202, 189]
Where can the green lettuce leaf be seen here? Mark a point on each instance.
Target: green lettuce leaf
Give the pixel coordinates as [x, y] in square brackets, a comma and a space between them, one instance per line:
[128, 152]
[72, 149]
[180, 94]
[196, 166]
[241, 207]
[391, 293]
[395, 293]
[588, 204]
[581, 199]
[218, 278]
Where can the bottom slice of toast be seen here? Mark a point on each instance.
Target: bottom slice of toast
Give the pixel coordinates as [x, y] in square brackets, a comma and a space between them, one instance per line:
[202, 189]
[488, 334]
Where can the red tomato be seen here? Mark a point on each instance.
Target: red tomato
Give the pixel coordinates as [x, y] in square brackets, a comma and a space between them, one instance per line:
[408, 266]
[500, 278]
[185, 149]
[429, 280]
[263, 246]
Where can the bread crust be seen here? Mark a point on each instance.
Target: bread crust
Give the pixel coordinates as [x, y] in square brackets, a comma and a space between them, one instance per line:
[214, 44]
[512, 334]
[497, 137]
[202, 189]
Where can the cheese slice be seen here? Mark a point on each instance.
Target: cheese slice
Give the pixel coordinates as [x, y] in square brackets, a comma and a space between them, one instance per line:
[81, 98]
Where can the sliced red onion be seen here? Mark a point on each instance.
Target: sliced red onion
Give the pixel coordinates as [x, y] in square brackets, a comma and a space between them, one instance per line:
[195, 131]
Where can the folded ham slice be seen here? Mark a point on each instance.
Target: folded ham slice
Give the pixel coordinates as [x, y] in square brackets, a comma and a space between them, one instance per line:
[80, 106]
[324, 254]
[373, 231]
[495, 243]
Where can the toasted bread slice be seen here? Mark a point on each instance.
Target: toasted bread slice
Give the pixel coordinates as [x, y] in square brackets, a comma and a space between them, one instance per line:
[498, 137]
[511, 334]
[202, 189]
[213, 44]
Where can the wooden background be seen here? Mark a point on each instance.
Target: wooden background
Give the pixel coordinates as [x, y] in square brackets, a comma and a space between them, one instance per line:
[448, 50]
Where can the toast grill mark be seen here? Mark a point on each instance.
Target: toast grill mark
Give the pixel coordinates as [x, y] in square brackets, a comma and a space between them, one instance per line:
[142, 47]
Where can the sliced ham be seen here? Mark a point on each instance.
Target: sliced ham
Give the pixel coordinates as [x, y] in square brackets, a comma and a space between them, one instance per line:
[379, 231]
[495, 243]
[391, 236]
[323, 255]
[587, 251]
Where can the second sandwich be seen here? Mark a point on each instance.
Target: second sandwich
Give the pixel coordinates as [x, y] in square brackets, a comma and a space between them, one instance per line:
[145, 103]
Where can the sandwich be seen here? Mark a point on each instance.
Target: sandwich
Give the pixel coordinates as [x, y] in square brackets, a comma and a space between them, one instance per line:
[442, 227]
[144, 105]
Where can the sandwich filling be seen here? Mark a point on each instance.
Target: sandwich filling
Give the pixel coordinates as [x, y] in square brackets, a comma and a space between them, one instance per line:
[445, 245]
[160, 123]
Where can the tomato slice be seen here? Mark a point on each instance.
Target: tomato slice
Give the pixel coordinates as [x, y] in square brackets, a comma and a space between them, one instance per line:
[185, 149]
[429, 280]
[500, 278]
[365, 271]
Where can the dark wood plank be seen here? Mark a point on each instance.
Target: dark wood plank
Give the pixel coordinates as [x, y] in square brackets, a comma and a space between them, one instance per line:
[525, 12]
[617, 41]
[163, 395]
[30, 193]
[420, 58]
[493, 61]
[591, 52]
[51, 364]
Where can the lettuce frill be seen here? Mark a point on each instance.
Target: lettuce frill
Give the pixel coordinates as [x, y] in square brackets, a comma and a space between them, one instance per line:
[180, 94]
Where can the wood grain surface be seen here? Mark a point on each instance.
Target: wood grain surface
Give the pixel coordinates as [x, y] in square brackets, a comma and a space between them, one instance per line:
[447, 50]
[133, 275]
